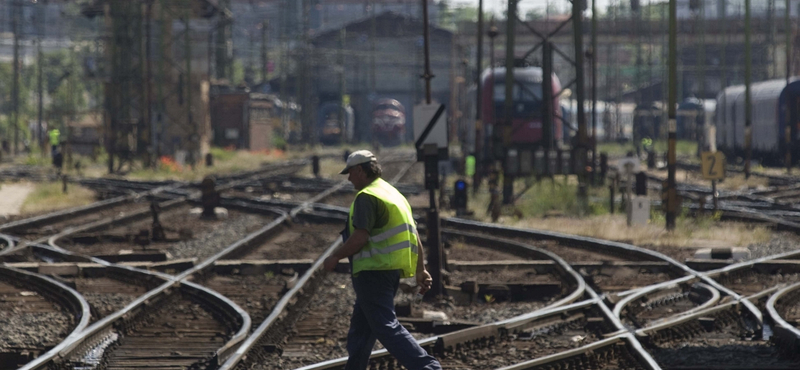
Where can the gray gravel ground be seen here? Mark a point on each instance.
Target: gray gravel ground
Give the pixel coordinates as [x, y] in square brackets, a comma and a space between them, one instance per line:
[107, 303]
[33, 330]
[207, 244]
[781, 242]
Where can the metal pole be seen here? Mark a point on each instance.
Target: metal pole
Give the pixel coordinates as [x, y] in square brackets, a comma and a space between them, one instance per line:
[672, 200]
[549, 108]
[773, 71]
[577, 19]
[264, 56]
[703, 137]
[594, 90]
[195, 140]
[508, 107]
[478, 102]
[435, 260]
[748, 111]
[40, 93]
[489, 135]
[149, 122]
[788, 131]
[426, 34]
[373, 35]
[15, 79]
[788, 32]
[342, 83]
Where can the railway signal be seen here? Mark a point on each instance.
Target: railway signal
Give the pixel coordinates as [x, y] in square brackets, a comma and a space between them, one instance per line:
[460, 197]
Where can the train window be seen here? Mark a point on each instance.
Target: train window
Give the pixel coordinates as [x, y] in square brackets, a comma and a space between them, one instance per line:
[523, 91]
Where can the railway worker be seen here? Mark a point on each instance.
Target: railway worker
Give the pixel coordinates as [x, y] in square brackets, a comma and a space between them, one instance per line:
[383, 245]
[55, 137]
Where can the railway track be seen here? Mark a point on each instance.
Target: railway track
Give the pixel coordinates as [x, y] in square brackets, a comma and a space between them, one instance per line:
[721, 337]
[32, 300]
[663, 295]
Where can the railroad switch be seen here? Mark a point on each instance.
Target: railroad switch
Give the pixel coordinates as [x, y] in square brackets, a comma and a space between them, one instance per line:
[210, 198]
[157, 233]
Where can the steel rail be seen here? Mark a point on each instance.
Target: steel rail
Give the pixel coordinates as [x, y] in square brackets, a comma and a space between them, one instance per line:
[71, 293]
[556, 357]
[713, 299]
[565, 268]
[224, 351]
[277, 311]
[104, 324]
[601, 244]
[8, 240]
[285, 301]
[701, 313]
[785, 333]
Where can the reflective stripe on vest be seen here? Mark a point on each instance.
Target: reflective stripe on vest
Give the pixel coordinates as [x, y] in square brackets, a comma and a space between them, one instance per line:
[392, 232]
[393, 246]
[386, 250]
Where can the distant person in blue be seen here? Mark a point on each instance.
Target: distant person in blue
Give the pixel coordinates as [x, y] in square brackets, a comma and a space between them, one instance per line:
[383, 245]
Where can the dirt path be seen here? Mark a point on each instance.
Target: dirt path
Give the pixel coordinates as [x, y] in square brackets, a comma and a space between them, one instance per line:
[12, 196]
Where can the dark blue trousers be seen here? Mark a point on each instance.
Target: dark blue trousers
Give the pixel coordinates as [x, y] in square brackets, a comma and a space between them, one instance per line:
[374, 318]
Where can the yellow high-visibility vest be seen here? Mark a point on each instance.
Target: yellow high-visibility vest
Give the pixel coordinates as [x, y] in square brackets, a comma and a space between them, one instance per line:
[470, 165]
[393, 246]
[54, 136]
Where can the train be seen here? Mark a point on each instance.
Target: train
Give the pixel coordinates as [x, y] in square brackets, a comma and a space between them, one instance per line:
[775, 107]
[388, 122]
[528, 108]
[335, 123]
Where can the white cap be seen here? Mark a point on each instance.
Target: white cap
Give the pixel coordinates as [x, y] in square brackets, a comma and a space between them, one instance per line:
[358, 157]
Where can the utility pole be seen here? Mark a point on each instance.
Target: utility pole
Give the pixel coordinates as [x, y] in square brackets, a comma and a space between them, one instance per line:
[374, 31]
[194, 145]
[702, 58]
[431, 151]
[264, 60]
[224, 66]
[672, 191]
[773, 70]
[594, 55]
[40, 92]
[15, 80]
[489, 150]
[580, 161]
[508, 106]
[149, 122]
[342, 82]
[426, 35]
[476, 180]
[748, 111]
[788, 130]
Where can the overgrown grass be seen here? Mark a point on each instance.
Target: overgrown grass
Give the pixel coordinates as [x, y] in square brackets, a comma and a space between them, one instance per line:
[683, 148]
[689, 232]
[225, 162]
[553, 205]
[49, 197]
[546, 198]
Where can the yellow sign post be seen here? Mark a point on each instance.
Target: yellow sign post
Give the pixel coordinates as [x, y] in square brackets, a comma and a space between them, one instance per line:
[713, 168]
[713, 165]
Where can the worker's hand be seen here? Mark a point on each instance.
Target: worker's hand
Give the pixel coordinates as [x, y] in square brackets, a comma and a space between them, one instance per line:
[424, 281]
[330, 263]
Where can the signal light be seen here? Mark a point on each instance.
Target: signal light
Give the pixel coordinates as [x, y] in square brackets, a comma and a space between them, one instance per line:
[460, 198]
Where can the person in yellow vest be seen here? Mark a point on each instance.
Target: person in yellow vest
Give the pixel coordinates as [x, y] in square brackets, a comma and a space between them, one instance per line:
[55, 137]
[383, 246]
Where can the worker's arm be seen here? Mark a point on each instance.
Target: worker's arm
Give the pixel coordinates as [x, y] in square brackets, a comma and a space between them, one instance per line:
[354, 243]
[424, 280]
